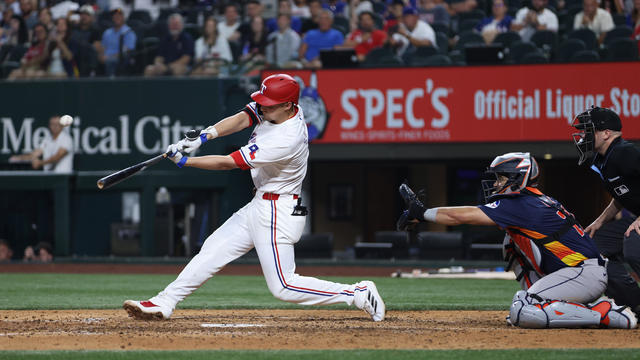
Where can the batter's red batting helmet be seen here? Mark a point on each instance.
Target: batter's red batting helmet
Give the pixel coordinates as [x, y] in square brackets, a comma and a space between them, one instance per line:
[277, 89]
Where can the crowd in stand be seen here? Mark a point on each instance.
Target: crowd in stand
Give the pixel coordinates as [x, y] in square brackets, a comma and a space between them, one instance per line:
[54, 39]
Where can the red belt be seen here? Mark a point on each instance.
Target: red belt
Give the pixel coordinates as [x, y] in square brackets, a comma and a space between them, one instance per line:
[272, 196]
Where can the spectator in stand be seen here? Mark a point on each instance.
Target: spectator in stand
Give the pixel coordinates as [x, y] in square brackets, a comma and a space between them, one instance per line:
[211, 50]
[87, 32]
[284, 7]
[322, 38]
[5, 251]
[252, 9]
[594, 18]
[16, 33]
[356, 7]
[117, 42]
[433, 13]
[500, 22]
[175, 51]
[538, 17]
[412, 32]
[337, 7]
[254, 41]
[61, 52]
[43, 252]
[310, 23]
[283, 45]
[13, 5]
[393, 16]
[231, 24]
[29, 13]
[45, 18]
[34, 60]
[366, 37]
[56, 149]
[300, 9]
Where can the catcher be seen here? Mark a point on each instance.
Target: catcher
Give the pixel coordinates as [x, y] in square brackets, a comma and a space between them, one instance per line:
[557, 264]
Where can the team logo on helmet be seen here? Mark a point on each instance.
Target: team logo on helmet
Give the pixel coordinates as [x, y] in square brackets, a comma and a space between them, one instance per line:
[513, 172]
[263, 89]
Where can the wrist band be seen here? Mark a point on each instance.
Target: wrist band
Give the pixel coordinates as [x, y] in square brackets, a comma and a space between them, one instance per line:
[210, 130]
[203, 138]
[430, 214]
[182, 161]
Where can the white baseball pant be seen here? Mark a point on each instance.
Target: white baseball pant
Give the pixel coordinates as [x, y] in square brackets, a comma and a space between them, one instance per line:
[267, 225]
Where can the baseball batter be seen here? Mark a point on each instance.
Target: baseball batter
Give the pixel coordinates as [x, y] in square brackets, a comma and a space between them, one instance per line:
[561, 272]
[273, 221]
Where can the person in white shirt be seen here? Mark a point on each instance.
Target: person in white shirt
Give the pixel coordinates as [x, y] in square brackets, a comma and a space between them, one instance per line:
[412, 31]
[211, 50]
[530, 20]
[283, 44]
[273, 221]
[594, 18]
[229, 27]
[56, 151]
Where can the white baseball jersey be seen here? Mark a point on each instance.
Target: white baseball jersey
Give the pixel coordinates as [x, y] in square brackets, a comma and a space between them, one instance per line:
[50, 147]
[276, 153]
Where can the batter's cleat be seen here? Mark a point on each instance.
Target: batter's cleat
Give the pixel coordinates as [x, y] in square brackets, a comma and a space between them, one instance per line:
[146, 310]
[368, 299]
[614, 316]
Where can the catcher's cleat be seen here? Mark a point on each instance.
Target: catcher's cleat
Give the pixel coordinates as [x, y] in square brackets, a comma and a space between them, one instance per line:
[614, 316]
[146, 310]
[368, 299]
[415, 209]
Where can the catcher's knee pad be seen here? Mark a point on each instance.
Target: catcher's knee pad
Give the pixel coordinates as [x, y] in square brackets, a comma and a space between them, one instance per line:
[529, 313]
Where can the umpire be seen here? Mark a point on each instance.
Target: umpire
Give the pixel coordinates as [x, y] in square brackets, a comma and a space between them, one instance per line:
[617, 163]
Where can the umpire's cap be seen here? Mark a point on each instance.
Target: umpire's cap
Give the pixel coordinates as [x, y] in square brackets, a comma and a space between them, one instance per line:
[605, 119]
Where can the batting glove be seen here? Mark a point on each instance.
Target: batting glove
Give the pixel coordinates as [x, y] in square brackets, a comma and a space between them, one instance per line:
[188, 145]
[174, 154]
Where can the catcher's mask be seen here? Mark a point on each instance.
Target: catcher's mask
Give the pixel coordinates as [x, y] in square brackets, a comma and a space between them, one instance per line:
[588, 122]
[520, 171]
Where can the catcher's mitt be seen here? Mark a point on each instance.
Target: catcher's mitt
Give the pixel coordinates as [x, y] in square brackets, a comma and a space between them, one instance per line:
[415, 209]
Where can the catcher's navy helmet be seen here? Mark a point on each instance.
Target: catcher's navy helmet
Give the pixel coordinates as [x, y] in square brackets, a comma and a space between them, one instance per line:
[520, 169]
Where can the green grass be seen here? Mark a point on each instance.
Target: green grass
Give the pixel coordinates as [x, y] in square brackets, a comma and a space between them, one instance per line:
[573, 354]
[105, 291]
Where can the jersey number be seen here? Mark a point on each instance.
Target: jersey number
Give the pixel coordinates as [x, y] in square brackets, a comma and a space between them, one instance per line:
[253, 148]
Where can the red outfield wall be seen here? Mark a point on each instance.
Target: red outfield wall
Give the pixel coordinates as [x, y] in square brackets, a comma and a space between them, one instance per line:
[465, 104]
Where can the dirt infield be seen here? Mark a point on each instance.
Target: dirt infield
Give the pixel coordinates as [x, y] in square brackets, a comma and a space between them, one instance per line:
[288, 329]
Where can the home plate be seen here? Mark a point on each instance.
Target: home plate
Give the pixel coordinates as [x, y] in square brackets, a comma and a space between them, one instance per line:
[230, 325]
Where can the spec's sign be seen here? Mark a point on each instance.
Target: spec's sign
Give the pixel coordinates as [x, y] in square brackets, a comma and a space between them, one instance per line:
[464, 104]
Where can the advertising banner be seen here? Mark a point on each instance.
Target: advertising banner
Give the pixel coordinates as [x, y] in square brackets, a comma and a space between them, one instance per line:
[464, 104]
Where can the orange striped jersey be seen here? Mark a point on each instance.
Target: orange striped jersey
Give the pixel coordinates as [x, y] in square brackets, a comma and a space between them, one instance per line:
[537, 217]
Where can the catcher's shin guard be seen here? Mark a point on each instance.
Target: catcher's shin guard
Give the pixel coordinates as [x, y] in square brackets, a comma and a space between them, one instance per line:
[527, 312]
[614, 316]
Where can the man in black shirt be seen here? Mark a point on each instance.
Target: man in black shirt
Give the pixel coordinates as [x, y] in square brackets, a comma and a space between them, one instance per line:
[617, 163]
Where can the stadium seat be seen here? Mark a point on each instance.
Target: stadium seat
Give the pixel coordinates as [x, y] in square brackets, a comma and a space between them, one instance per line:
[621, 31]
[4, 51]
[519, 49]
[399, 241]
[507, 38]
[535, 57]
[382, 57]
[467, 25]
[619, 19]
[585, 56]
[193, 30]
[438, 60]
[443, 42]
[568, 48]
[546, 40]
[587, 36]
[141, 15]
[341, 24]
[166, 12]
[415, 56]
[439, 27]
[623, 49]
[440, 245]
[476, 14]
[468, 37]
[315, 246]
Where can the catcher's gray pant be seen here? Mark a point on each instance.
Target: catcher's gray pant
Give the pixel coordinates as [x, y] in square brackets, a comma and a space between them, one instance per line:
[619, 249]
[581, 284]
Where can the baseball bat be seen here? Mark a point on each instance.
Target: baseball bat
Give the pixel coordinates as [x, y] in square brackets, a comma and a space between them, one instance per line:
[110, 180]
